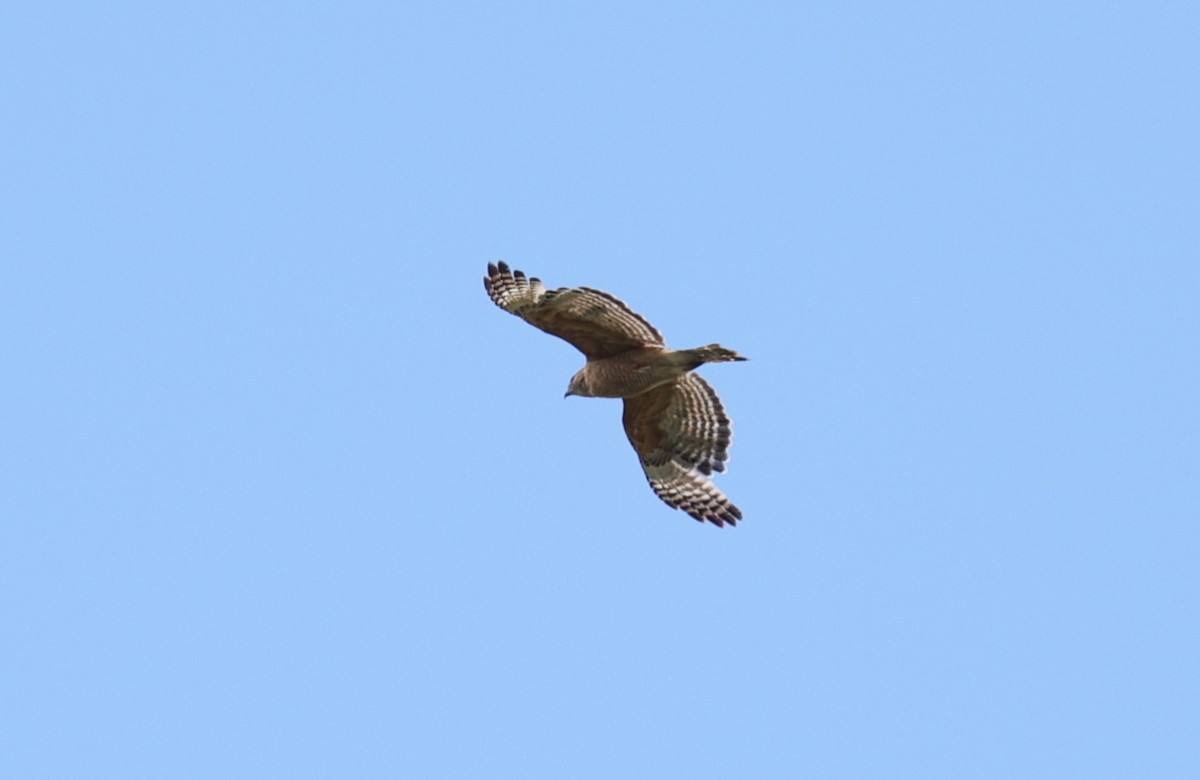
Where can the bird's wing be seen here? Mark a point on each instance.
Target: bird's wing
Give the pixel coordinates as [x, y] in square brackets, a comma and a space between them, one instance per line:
[681, 434]
[596, 323]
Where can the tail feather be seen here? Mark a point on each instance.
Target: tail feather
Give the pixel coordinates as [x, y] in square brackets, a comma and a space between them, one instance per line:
[715, 353]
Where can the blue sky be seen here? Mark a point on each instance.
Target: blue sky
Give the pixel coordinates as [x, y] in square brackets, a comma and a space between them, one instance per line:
[284, 495]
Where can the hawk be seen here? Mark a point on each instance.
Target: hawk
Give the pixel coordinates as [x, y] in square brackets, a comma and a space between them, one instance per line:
[673, 419]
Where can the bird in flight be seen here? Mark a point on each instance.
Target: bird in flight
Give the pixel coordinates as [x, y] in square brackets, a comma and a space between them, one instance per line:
[673, 418]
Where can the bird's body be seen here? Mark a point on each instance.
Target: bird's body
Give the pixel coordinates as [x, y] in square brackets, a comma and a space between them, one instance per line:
[673, 419]
[623, 375]
[640, 369]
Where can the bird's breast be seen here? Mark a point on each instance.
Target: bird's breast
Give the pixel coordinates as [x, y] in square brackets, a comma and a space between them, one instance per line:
[629, 374]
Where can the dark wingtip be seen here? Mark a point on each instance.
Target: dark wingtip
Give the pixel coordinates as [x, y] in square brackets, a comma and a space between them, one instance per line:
[726, 519]
[492, 269]
[502, 266]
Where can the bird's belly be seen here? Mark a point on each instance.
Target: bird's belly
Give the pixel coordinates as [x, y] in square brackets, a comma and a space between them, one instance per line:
[621, 377]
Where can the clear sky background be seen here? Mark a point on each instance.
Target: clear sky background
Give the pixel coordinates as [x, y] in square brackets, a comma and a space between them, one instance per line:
[284, 494]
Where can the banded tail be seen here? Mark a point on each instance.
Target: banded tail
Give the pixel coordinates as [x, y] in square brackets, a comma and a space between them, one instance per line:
[713, 353]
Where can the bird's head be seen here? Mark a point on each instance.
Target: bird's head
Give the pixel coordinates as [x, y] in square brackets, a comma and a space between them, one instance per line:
[578, 386]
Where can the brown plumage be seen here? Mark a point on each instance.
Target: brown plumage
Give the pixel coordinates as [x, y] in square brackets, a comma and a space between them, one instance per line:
[673, 418]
